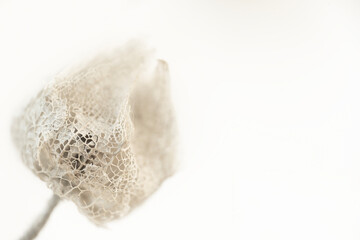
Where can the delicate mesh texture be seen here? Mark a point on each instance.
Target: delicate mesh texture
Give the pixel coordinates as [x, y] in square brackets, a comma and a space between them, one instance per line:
[102, 134]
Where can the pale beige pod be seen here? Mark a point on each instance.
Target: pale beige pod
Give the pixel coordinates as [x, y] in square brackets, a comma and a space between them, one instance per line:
[102, 134]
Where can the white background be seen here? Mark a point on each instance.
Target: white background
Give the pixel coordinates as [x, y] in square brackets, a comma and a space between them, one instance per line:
[267, 97]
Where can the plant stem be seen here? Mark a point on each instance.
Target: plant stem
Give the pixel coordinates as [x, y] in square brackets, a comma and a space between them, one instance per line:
[41, 221]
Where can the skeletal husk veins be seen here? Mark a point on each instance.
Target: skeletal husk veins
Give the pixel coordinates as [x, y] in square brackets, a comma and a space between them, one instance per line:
[102, 134]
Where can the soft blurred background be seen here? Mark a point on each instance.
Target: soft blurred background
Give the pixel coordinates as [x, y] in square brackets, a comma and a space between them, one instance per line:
[267, 95]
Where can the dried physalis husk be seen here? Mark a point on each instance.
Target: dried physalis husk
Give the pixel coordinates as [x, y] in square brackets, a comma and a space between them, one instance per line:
[102, 134]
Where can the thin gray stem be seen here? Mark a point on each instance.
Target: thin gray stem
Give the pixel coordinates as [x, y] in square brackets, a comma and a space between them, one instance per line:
[41, 221]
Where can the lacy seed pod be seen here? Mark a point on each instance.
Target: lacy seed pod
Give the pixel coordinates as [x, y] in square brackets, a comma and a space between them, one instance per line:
[102, 134]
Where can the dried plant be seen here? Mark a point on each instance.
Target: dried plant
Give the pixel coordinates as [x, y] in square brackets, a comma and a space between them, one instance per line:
[102, 134]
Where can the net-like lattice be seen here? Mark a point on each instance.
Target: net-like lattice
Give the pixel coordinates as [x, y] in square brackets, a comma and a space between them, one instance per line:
[102, 134]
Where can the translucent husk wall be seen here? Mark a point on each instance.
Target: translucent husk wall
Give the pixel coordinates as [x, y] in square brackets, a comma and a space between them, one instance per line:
[102, 134]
